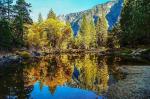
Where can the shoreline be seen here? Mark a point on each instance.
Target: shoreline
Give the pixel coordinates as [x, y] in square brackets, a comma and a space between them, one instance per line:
[144, 53]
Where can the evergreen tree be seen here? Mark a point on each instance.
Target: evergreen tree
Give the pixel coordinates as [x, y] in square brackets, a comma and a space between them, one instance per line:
[101, 30]
[85, 32]
[114, 37]
[6, 29]
[51, 14]
[6, 9]
[40, 18]
[22, 17]
[135, 18]
[5, 35]
[126, 19]
[78, 41]
[93, 34]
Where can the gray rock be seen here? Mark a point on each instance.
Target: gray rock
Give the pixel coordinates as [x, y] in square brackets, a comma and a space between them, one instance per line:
[137, 52]
[135, 86]
[9, 59]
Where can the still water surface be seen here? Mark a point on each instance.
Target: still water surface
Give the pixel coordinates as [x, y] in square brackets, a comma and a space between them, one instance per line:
[60, 77]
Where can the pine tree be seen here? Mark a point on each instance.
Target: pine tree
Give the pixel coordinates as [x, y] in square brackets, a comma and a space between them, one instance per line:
[135, 18]
[78, 41]
[85, 32]
[40, 18]
[101, 30]
[6, 9]
[5, 35]
[22, 17]
[6, 30]
[93, 34]
[126, 19]
[114, 37]
[51, 14]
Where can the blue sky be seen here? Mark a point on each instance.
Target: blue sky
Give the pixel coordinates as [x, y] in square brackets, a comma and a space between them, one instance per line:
[61, 6]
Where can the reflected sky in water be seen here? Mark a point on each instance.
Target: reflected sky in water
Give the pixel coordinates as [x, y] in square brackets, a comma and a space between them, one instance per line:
[62, 92]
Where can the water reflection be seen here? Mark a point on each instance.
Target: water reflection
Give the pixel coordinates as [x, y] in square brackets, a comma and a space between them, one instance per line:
[12, 83]
[57, 77]
[62, 92]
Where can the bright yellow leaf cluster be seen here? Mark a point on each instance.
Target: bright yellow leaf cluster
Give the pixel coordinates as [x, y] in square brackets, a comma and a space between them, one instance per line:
[50, 33]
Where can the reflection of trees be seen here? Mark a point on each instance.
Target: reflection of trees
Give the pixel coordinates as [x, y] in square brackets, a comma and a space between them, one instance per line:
[103, 73]
[114, 63]
[93, 73]
[86, 71]
[51, 71]
[12, 83]
[59, 70]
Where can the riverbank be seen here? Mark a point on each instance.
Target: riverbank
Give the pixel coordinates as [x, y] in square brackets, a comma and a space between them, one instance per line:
[134, 53]
[139, 54]
[136, 85]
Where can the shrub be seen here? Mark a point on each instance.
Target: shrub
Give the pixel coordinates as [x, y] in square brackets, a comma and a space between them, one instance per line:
[25, 54]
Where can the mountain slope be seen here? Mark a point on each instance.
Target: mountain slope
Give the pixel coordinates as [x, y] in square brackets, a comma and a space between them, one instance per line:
[114, 14]
[112, 10]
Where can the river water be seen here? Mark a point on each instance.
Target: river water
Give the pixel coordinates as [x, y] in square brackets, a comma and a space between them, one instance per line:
[84, 76]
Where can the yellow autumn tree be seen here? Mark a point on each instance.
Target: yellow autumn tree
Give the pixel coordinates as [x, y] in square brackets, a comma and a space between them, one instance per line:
[50, 33]
[85, 33]
[36, 37]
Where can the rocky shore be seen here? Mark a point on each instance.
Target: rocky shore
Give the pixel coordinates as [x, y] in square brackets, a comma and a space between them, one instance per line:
[10, 59]
[135, 86]
[20, 56]
[17, 57]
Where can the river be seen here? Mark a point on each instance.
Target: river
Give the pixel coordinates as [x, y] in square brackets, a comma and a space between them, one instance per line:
[84, 76]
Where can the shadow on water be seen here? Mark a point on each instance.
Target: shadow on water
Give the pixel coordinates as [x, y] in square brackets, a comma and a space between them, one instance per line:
[85, 76]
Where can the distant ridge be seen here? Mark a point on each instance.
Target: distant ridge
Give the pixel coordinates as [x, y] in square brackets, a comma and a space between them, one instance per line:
[112, 9]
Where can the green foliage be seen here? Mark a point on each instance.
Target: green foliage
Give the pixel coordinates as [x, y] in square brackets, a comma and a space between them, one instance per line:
[51, 14]
[93, 34]
[126, 51]
[134, 23]
[22, 18]
[78, 42]
[6, 39]
[25, 54]
[85, 32]
[12, 20]
[101, 30]
[114, 37]
[6, 31]
[40, 18]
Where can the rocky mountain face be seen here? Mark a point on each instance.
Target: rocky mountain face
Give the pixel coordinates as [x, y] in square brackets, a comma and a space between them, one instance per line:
[112, 9]
[114, 13]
